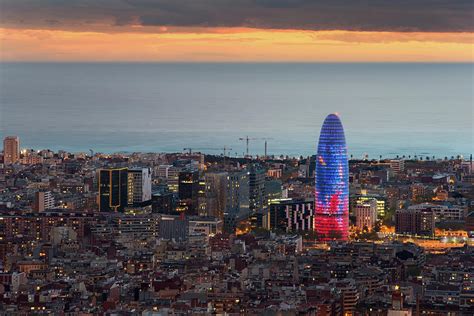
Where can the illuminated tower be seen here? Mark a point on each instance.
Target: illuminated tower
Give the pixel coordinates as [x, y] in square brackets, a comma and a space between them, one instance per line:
[332, 182]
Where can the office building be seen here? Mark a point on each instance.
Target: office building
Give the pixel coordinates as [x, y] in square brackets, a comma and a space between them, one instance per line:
[188, 190]
[363, 198]
[237, 193]
[204, 225]
[136, 226]
[113, 185]
[173, 227]
[138, 186]
[163, 203]
[170, 175]
[288, 215]
[332, 182]
[366, 214]
[215, 193]
[256, 188]
[273, 190]
[11, 149]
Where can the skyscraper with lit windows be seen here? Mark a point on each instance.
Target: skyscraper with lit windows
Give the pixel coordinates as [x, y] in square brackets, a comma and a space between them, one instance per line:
[332, 182]
[113, 189]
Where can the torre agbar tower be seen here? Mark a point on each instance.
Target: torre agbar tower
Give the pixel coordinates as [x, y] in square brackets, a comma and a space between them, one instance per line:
[332, 182]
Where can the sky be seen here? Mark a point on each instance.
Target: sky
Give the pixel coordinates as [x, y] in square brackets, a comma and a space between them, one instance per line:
[237, 30]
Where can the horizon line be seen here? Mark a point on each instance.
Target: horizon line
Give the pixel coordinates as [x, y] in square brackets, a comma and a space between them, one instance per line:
[225, 62]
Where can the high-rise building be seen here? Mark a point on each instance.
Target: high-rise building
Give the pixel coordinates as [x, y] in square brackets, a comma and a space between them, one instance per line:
[237, 193]
[139, 186]
[256, 188]
[332, 182]
[173, 179]
[44, 200]
[237, 199]
[366, 214]
[170, 175]
[188, 190]
[113, 185]
[215, 193]
[11, 149]
[257, 201]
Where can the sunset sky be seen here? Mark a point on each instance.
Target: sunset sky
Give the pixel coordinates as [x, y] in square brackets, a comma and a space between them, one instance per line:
[237, 30]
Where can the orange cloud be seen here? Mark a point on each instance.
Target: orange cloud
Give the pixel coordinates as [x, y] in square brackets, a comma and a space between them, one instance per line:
[233, 44]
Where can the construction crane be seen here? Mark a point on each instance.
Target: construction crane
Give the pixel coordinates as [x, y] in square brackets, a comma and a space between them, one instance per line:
[247, 139]
[266, 139]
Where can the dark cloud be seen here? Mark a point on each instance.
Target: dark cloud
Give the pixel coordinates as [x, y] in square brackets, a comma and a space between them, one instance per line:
[357, 15]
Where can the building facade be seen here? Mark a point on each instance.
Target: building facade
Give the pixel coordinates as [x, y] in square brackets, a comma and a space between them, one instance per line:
[290, 215]
[138, 186]
[11, 149]
[417, 222]
[188, 190]
[113, 184]
[44, 200]
[332, 182]
[366, 214]
[256, 188]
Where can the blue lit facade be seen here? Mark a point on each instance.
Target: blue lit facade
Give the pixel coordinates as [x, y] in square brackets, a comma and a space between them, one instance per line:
[332, 182]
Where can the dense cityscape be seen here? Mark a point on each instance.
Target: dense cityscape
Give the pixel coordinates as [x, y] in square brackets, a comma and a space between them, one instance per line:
[191, 233]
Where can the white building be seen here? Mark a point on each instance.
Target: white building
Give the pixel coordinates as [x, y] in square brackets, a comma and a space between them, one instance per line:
[138, 186]
[18, 279]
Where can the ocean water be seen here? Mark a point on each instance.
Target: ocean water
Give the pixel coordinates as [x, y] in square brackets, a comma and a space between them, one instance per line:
[386, 109]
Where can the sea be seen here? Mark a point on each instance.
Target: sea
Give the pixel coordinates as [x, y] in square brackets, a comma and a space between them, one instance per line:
[387, 109]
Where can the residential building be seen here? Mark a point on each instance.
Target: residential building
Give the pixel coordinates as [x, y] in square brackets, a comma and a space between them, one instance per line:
[11, 149]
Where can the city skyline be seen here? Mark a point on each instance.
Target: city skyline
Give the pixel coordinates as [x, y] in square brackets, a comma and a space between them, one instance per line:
[237, 157]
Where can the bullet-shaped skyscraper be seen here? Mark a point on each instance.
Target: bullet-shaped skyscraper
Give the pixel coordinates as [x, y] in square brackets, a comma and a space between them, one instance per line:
[332, 182]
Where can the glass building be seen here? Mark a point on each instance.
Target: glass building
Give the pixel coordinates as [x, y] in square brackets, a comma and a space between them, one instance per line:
[332, 182]
[113, 189]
